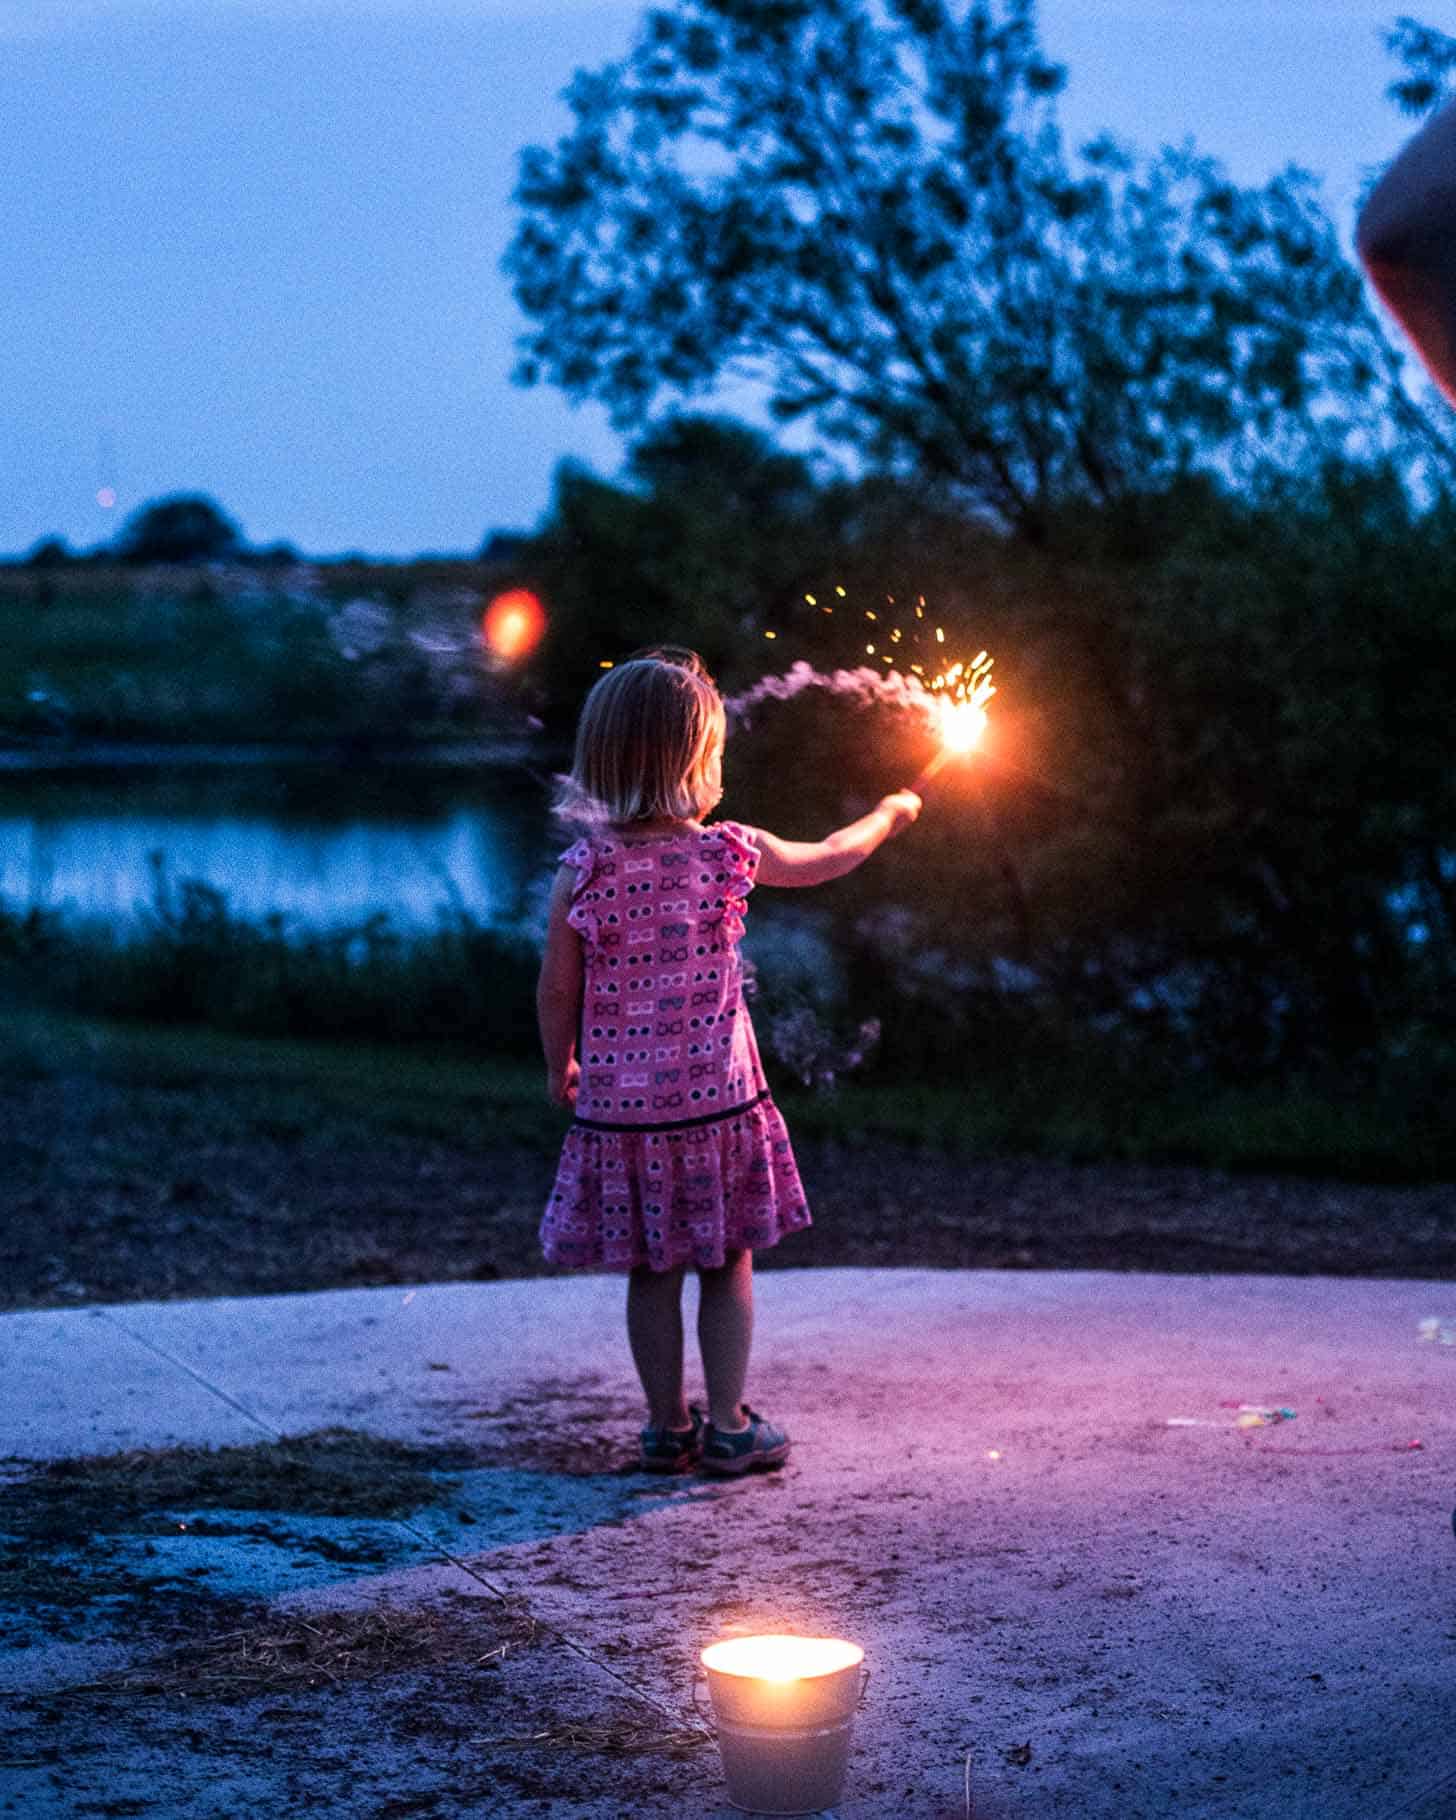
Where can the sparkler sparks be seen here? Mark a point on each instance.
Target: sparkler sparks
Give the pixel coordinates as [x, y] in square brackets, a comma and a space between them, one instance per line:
[960, 697]
[951, 698]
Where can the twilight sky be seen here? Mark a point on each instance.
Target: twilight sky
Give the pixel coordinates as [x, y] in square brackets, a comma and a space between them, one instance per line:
[252, 246]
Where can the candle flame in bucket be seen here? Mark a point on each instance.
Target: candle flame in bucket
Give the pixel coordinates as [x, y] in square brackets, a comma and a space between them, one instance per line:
[782, 1658]
[783, 1707]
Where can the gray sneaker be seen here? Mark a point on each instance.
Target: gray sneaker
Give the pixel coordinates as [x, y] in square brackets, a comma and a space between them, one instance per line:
[726, 1454]
[673, 1449]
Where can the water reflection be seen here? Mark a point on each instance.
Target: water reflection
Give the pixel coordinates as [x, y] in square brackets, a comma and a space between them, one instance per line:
[325, 849]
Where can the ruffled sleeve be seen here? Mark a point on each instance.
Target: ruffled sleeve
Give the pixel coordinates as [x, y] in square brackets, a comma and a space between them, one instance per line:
[585, 856]
[741, 853]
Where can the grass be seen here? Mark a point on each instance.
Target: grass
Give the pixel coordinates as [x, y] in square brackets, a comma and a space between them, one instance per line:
[283, 1085]
[190, 959]
[202, 654]
[1295, 1128]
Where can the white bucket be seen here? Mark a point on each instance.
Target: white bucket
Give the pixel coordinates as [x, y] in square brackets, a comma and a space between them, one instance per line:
[783, 1707]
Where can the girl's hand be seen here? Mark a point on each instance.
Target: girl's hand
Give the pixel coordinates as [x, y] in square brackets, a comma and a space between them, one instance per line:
[904, 807]
[815, 862]
[558, 993]
[562, 1087]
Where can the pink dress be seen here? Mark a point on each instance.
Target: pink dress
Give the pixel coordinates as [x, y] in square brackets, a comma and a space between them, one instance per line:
[677, 1153]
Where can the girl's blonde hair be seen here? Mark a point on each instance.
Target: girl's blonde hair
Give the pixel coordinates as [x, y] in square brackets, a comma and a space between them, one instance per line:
[647, 736]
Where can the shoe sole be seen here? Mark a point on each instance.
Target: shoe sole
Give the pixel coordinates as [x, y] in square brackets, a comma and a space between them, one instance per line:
[748, 1462]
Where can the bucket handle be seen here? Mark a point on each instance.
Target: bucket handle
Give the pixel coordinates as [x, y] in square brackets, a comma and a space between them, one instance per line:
[705, 1721]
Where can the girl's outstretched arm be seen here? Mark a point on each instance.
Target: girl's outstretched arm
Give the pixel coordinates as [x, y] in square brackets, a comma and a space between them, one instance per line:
[558, 993]
[815, 862]
[1406, 239]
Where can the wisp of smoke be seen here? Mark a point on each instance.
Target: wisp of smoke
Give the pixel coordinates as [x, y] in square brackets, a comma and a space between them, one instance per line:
[862, 686]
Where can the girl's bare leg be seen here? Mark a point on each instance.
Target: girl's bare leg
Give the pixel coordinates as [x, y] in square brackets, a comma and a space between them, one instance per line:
[655, 1333]
[725, 1334]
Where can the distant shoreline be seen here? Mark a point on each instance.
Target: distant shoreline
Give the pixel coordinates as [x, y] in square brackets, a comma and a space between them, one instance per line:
[123, 755]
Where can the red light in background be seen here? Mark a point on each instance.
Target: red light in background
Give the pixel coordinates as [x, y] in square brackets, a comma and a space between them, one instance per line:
[513, 624]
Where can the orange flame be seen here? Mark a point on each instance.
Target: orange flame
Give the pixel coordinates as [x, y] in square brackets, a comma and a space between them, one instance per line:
[513, 624]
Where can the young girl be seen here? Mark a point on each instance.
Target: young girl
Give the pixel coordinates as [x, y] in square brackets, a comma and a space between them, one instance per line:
[677, 1154]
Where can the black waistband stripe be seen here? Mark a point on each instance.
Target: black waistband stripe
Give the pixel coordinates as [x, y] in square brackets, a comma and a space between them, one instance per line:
[707, 1118]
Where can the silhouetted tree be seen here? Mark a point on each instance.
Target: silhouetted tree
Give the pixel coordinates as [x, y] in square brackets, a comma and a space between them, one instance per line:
[705, 535]
[184, 527]
[1428, 60]
[503, 546]
[277, 555]
[870, 210]
[49, 553]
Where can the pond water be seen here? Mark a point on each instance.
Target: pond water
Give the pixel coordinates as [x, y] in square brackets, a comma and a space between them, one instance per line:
[323, 846]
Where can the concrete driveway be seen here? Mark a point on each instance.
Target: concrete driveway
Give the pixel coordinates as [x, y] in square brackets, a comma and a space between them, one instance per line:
[1029, 1496]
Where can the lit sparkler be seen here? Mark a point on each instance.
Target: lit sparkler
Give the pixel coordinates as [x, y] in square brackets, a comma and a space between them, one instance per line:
[952, 697]
[961, 694]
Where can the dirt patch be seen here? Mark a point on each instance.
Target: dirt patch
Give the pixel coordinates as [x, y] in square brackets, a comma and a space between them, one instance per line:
[81, 1539]
[454, 1720]
[335, 1472]
[625, 1739]
[431, 1708]
[283, 1652]
[564, 1426]
[143, 1191]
